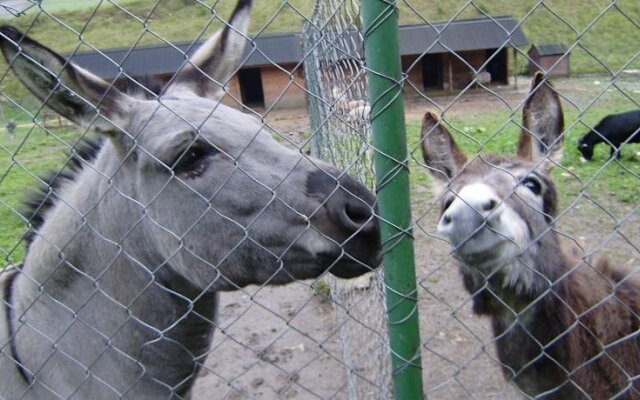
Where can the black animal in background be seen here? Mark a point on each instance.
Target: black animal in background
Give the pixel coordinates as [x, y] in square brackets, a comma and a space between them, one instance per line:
[614, 130]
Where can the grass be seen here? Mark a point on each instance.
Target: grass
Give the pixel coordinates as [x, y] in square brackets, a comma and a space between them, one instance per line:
[496, 131]
[71, 5]
[321, 288]
[24, 156]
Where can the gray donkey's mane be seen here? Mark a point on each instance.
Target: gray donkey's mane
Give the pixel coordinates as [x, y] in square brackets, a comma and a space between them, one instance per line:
[43, 198]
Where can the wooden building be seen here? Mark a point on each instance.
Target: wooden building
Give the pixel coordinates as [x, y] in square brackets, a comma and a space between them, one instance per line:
[434, 56]
[450, 55]
[550, 58]
[270, 74]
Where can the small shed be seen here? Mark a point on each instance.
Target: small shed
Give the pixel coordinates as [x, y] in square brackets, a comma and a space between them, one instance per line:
[446, 55]
[552, 58]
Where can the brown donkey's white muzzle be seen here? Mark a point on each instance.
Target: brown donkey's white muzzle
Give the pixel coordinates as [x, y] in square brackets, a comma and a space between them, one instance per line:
[473, 219]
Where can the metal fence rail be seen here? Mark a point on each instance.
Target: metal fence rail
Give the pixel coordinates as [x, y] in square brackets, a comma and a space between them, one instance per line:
[341, 133]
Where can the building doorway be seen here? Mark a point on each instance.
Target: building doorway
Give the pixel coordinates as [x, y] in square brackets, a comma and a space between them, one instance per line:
[251, 90]
[497, 66]
[432, 71]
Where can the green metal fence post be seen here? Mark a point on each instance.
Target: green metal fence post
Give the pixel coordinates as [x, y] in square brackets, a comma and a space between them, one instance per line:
[380, 25]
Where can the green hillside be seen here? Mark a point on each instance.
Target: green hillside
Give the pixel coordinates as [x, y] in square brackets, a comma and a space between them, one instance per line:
[603, 37]
[606, 34]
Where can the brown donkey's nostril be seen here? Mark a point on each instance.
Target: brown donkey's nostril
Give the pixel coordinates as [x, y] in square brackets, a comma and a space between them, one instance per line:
[490, 205]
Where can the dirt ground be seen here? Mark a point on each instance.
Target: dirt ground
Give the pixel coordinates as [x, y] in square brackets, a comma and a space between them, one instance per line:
[284, 342]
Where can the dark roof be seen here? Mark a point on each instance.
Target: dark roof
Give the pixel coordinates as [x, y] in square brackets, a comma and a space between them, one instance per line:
[550, 49]
[286, 48]
[165, 58]
[461, 35]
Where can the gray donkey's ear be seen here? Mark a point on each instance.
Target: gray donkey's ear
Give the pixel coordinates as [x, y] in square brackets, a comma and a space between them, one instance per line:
[72, 92]
[213, 64]
[542, 123]
[440, 152]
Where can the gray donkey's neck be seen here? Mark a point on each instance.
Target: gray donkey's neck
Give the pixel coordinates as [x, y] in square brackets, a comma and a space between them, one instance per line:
[95, 304]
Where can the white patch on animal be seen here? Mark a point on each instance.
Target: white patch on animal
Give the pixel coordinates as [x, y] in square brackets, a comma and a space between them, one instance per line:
[479, 200]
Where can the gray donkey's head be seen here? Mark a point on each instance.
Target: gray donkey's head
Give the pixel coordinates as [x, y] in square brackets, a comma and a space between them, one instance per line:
[496, 211]
[215, 196]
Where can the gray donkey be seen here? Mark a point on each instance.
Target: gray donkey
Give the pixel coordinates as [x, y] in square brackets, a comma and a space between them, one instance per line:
[563, 329]
[183, 197]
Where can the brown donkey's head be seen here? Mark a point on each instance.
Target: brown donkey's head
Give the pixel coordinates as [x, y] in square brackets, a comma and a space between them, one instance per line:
[497, 210]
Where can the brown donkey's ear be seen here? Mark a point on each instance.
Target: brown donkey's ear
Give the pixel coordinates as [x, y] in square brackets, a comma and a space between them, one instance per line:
[441, 153]
[542, 123]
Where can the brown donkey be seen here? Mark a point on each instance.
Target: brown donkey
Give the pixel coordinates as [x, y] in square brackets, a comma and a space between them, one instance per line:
[563, 329]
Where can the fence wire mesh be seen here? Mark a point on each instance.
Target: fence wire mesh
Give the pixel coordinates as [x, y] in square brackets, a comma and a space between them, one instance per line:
[341, 134]
[122, 305]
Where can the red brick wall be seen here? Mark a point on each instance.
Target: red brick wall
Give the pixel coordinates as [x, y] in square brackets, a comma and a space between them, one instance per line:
[276, 83]
[414, 72]
[232, 96]
[562, 69]
[457, 72]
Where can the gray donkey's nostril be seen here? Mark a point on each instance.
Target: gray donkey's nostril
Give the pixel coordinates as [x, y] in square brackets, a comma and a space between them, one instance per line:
[357, 213]
[349, 203]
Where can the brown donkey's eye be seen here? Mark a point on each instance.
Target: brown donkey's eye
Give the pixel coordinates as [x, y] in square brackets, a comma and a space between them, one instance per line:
[533, 184]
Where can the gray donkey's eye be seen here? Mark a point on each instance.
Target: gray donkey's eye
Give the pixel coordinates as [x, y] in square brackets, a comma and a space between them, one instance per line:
[193, 162]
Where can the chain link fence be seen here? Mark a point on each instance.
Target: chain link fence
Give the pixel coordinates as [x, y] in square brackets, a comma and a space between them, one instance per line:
[304, 79]
[341, 134]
